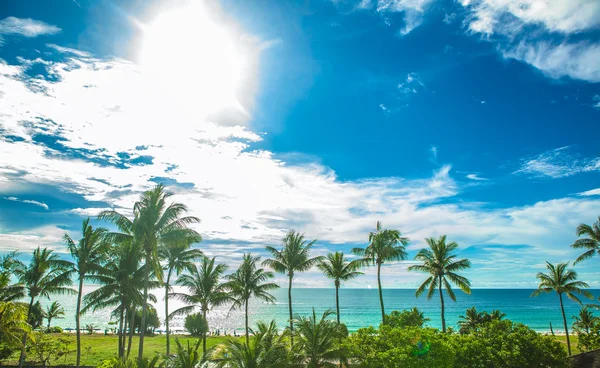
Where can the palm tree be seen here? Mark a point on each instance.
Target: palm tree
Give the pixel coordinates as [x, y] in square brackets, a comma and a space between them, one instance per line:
[470, 321]
[562, 280]
[178, 257]
[265, 350]
[318, 340]
[8, 264]
[440, 264]
[591, 243]
[155, 222]
[13, 322]
[45, 275]
[205, 290]
[293, 257]
[585, 320]
[336, 268]
[385, 245]
[248, 281]
[88, 254]
[53, 311]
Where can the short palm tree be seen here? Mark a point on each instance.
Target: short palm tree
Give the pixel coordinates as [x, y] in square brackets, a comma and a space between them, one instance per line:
[54, 311]
[88, 254]
[591, 242]
[265, 350]
[318, 339]
[249, 281]
[10, 292]
[441, 264]
[155, 222]
[470, 321]
[293, 257]
[177, 258]
[385, 245]
[562, 280]
[338, 269]
[205, 290]
[45, 275]
[585, 320]
[13, 322]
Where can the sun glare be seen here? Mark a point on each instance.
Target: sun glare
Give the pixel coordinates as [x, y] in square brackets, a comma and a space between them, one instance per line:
[195, 59]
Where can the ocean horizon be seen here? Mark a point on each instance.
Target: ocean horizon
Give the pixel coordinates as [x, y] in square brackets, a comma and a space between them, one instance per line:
[358, 308]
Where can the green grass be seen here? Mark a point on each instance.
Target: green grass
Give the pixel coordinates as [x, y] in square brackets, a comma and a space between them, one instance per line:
[97, 348]
[563, 339]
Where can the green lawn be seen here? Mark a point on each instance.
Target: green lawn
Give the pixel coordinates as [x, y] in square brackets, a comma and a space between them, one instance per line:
[98, 347]
[574, 340]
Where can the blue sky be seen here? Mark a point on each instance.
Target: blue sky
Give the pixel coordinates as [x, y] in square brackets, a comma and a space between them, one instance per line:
[474, 118]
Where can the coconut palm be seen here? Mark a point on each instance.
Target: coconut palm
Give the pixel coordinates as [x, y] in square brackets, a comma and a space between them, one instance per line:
[177, 258]
[13, 322]
[441, 264]
[293, 257]
[10, 292]
[385, 245]
[205, 290]
[591, 242]
[54, 311]
[470, 321]
[155, 223]
[338, 269]
[88, 254]
[45, 275]
[318, 339]
[265, 350]
[585, 320]
[249, 281]
[562, 280]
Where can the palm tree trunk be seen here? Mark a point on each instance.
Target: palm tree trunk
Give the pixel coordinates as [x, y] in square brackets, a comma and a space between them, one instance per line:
[442, 302]
[22, 356]
[290, 307]
[144, 308]
[562, 308]
[48, 329]
[167, 310]
[120, 331]
[204, 337]
[247, 338]
[380, 292]
[131, 323]
[337, 302]
[77, 322]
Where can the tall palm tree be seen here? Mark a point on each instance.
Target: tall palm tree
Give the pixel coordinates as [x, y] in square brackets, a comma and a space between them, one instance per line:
[293, 257]
[88, 254]
[337, 268]
[591, 243]
[13, 322]
[585, 320]
[155, 222]
[205, 289]
[318, 339]
[439, 262]
[385, 245]
[562, 280]
[177, 258]
[249, 281]
[54, 311]
[45, 275]
[10, 292]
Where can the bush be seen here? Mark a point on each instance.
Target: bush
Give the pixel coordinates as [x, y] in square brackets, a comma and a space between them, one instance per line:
[152, 320]
[589, 340]
[504, 344]
[400, 347]
[55, 329]
[406, 318]
[196, 325]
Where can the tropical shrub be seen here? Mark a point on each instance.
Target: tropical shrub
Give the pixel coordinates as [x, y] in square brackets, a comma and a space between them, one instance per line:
[505, 344]
[152, 320]
[406, 318]
[196, 325]
[407, 347]
[589, 340]
[55, 329]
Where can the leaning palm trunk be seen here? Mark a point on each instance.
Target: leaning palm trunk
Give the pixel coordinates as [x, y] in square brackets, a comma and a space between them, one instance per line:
[204, 335]
[131, 322]
[337, 301]
[121, 332]
[144, 310]
[77, 322]
[380, 292]
[291, 315]
[22, 357]
[247, 329]
[562, 308]
[442, 303]
[167, 313]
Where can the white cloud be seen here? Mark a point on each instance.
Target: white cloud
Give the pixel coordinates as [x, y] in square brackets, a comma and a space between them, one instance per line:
[29, 201]
[596, 100]
[12, 26]
[592, 192]
[413, 10]
[476, 177]
[68, 50]
[27, 241]
[557, 163]
[434, 151]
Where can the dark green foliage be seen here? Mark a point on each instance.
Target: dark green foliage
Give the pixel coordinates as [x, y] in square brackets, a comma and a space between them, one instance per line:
[473, 319]
[152, 320]
[196, 325]
[504, 344]
[406, 318]
[36, 316]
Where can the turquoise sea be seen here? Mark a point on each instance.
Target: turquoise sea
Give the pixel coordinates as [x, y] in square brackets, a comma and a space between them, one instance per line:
[360, 308]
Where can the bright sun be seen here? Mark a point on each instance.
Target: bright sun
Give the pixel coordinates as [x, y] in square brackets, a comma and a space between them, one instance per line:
[194, 58]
